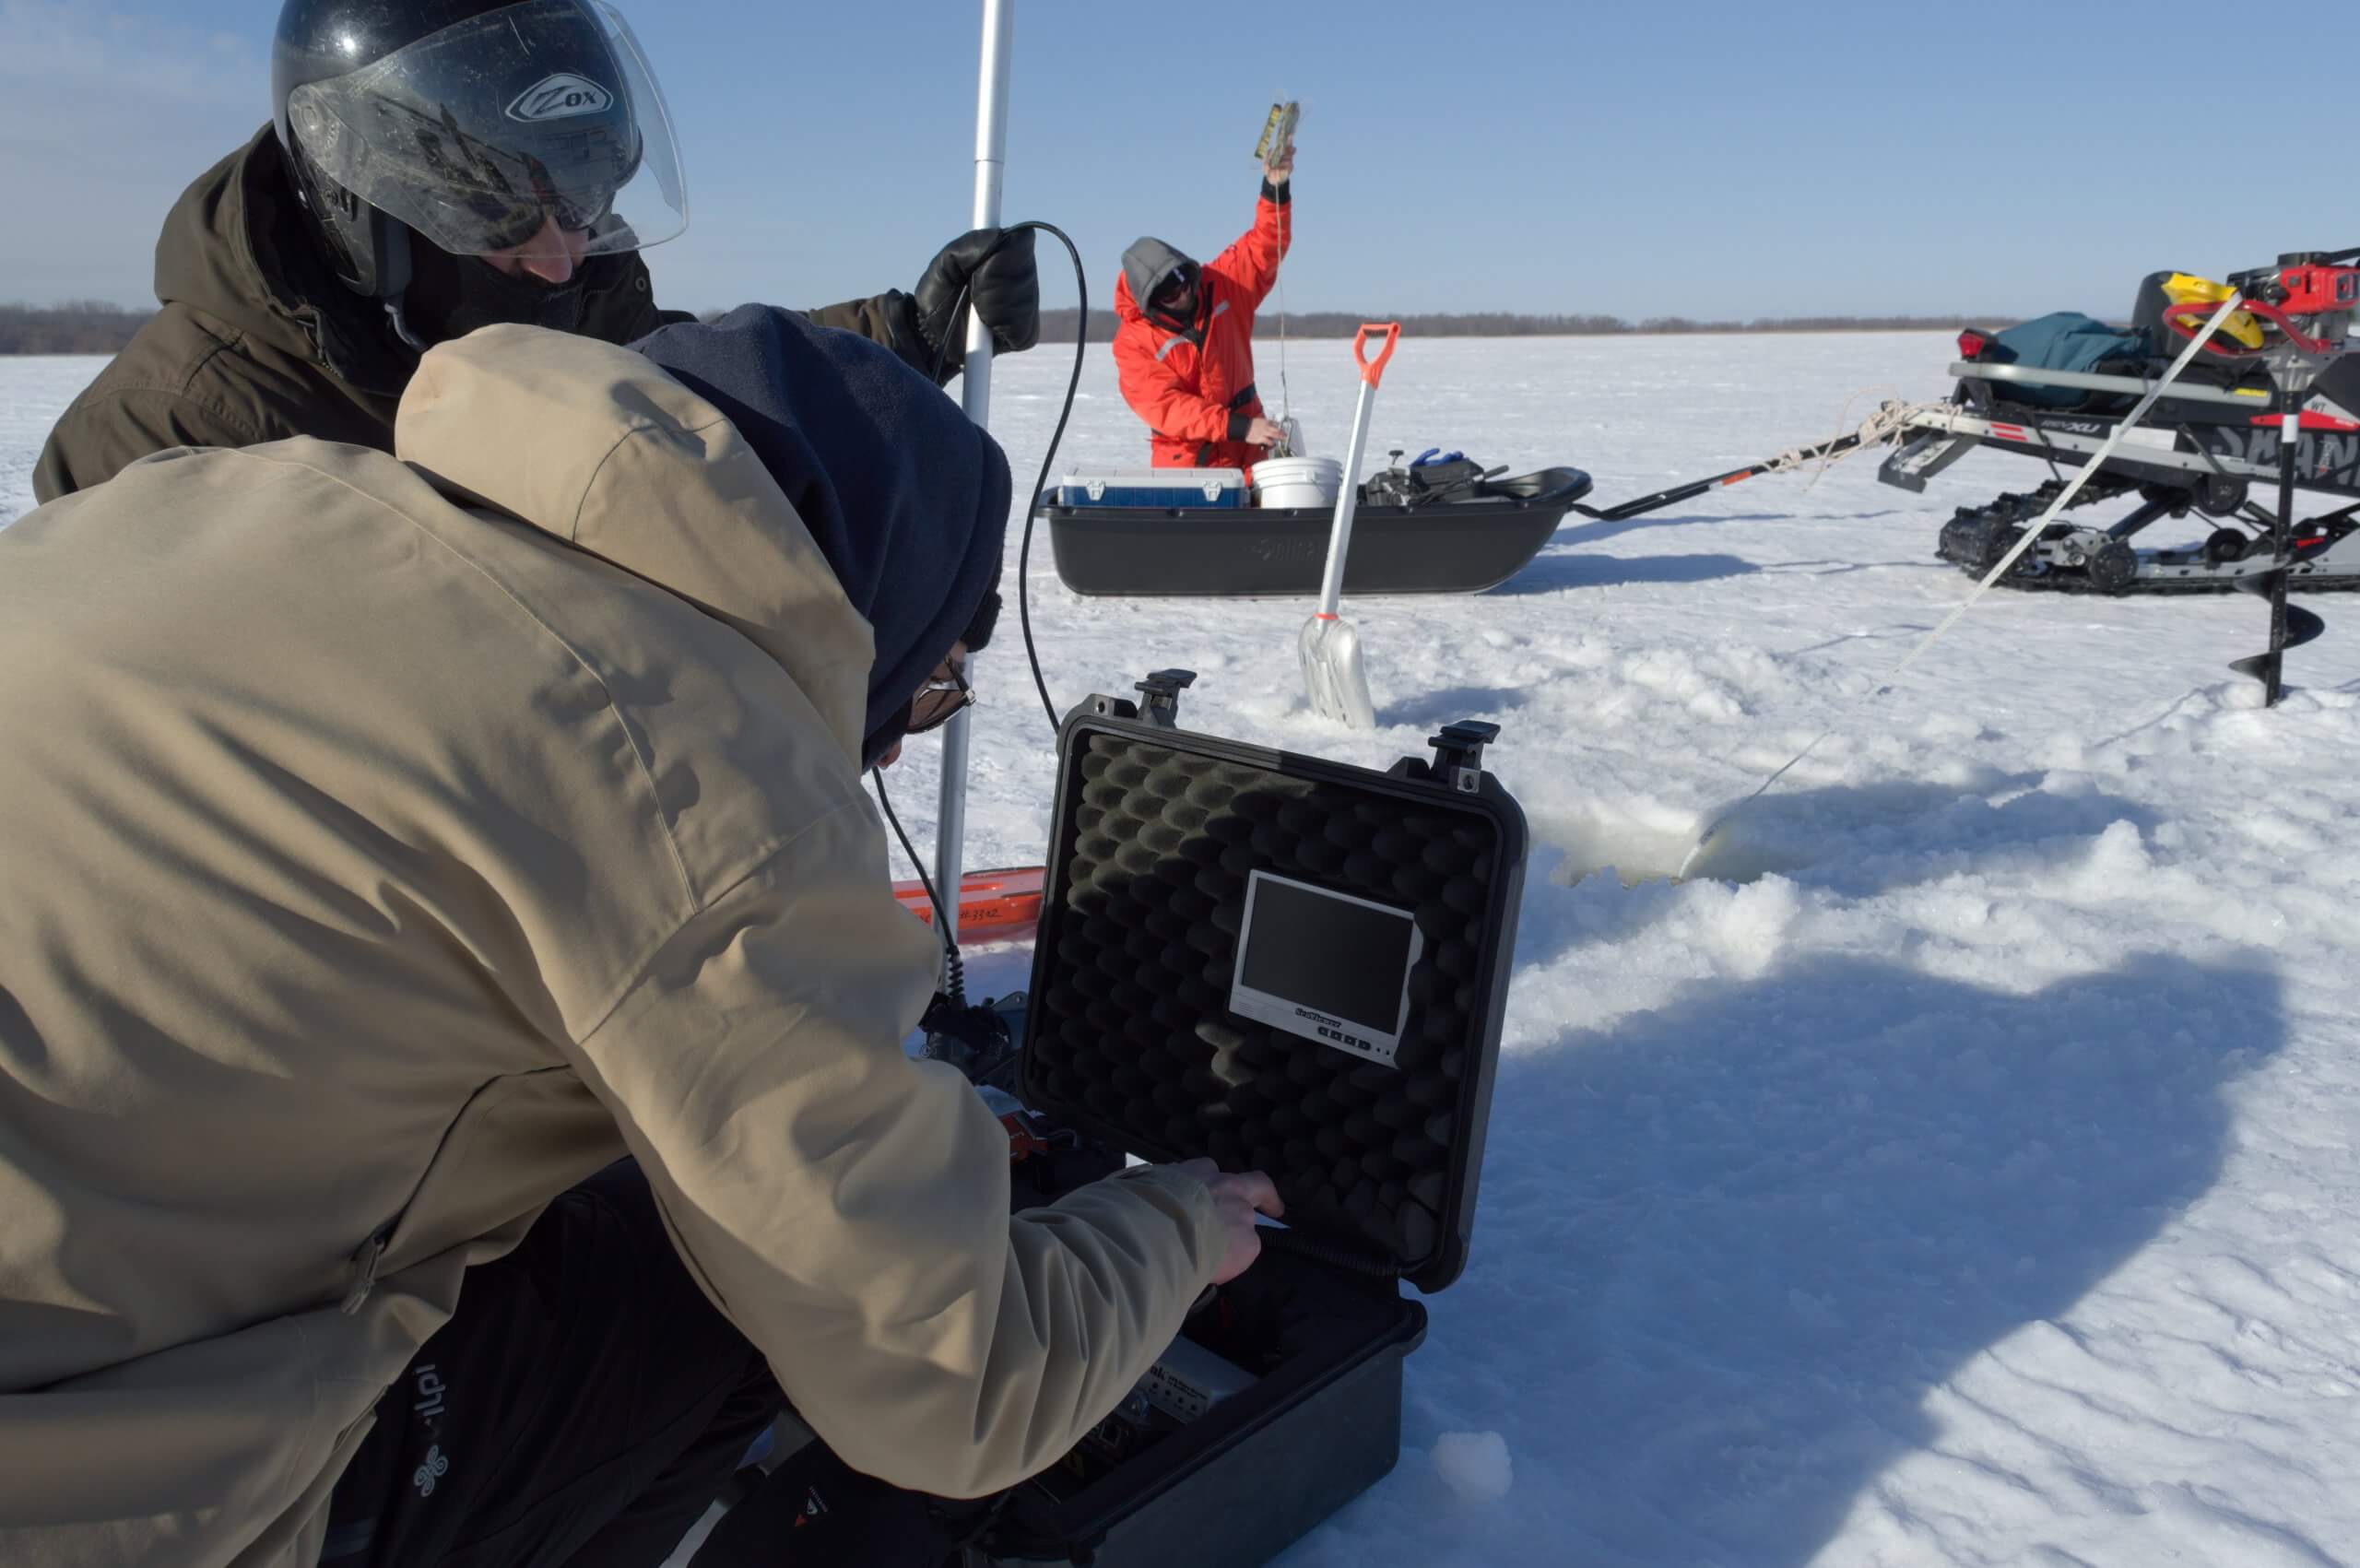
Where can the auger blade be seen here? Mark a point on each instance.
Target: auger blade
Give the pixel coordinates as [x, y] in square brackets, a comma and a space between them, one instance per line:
[2291, 626]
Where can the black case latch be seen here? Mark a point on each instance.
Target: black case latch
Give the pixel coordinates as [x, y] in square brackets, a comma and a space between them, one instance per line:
[1163, 692]
[1459, 753]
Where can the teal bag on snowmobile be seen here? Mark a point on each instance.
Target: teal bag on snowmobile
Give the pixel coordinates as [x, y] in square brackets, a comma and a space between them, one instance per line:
[2067, 341]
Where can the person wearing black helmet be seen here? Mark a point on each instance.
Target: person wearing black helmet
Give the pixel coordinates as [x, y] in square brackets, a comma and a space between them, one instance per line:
[432, 167]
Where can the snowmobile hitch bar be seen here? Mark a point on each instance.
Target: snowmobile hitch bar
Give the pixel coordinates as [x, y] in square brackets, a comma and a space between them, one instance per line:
[1689, 492]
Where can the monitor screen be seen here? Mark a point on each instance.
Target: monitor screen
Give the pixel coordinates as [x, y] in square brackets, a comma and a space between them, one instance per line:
[1326, 966]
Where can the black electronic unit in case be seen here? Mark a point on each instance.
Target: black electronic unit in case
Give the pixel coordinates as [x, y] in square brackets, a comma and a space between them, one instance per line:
[1289, 965]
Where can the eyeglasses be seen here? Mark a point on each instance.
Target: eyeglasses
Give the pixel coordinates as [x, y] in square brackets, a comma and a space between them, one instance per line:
[507, 224]
[939, 701]
[1167, 293]
[510, 211]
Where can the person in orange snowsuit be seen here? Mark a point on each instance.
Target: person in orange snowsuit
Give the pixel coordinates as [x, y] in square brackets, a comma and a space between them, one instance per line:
[1186, 346]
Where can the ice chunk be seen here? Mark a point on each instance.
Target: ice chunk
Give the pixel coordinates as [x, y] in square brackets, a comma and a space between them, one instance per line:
[1474, 1465]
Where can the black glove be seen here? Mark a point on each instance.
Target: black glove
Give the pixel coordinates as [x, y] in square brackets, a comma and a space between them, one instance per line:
[1003, 289]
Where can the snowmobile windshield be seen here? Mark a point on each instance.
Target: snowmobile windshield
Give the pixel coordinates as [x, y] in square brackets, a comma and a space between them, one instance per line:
[497, 132]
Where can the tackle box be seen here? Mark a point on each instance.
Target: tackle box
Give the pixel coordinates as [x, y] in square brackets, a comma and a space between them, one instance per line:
[1291, 965]
[1176, 488]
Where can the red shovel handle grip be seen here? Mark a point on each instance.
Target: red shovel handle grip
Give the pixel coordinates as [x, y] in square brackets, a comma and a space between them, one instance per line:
[1373, 371]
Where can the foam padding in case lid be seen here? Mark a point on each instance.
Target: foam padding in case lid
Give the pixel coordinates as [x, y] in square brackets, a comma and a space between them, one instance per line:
[1130, 1029]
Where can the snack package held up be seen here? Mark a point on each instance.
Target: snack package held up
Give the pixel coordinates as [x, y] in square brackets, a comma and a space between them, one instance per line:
[1278, 132]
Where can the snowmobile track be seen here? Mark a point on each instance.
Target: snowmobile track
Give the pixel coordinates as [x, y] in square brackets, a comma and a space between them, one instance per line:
[1977, 536]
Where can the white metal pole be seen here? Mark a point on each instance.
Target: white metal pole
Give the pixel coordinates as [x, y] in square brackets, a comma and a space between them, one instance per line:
[991, 155]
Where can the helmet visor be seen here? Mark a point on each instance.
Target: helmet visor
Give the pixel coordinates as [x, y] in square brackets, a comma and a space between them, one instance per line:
[537, 128]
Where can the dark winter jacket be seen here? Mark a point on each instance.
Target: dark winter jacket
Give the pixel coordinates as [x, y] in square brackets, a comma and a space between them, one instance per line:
[1193, 380]
[257, 341]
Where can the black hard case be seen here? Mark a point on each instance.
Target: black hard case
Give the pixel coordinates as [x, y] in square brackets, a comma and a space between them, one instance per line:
[1154, 832]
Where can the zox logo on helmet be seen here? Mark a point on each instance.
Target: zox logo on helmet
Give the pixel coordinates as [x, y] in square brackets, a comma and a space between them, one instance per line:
[559, 96]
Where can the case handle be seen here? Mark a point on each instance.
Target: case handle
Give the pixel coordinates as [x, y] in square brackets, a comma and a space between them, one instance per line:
[1162, 691]
[1458, 752]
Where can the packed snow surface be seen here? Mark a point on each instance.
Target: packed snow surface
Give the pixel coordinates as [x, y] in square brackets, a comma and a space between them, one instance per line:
[1959, 1167]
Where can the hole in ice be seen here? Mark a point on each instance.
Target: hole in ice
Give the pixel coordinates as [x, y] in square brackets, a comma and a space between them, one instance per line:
[1652, 844]
[1785, 831]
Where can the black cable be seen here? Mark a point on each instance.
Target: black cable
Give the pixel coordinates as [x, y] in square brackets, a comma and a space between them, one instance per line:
[951, 334]
[954, 967]
[1032, 502]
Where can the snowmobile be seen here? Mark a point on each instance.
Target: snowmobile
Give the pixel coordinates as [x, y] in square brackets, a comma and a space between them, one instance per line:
[2057, 389]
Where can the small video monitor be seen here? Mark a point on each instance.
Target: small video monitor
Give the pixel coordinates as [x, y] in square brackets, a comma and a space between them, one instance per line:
[1326, 966]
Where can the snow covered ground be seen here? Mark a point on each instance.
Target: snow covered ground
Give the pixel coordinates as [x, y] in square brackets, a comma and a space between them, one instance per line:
[1960, 1169]
[33, 391]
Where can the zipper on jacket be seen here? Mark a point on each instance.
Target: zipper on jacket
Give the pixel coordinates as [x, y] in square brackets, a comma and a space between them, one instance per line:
[366, 1260]
[373, 1252]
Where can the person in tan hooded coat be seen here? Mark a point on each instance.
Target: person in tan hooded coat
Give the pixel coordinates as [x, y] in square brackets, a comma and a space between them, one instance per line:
[396, 840]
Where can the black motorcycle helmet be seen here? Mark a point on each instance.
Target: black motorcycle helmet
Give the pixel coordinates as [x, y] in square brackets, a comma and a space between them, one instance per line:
[473, 125]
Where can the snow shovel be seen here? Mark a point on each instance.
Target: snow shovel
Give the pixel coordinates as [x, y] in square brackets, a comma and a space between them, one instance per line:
[1332, 672]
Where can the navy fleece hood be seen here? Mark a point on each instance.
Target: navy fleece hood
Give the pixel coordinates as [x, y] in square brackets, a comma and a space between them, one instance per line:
[904, 496]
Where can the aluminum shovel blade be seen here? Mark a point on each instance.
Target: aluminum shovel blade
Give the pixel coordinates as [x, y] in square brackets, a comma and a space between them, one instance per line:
[1332, 672]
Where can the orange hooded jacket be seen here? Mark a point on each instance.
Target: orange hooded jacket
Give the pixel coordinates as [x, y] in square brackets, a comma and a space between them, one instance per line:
[1192, 382]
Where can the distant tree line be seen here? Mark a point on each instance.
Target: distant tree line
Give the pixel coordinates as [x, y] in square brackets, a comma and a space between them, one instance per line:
[79, 326]
[93, 326]
[1057, 325]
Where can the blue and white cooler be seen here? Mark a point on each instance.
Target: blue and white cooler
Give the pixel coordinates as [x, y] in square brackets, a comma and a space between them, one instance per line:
[1166, 488]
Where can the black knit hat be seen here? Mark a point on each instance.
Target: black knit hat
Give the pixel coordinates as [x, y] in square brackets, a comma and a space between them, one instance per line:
[979, 630]
[906, 498]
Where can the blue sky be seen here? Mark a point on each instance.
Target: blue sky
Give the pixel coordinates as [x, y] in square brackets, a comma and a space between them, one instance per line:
[1708, 159]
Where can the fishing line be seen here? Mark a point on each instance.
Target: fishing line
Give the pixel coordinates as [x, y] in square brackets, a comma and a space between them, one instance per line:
[2007, 562]
[1286, 244]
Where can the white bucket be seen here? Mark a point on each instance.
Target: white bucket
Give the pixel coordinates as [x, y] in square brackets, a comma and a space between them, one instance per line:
[1297, 481]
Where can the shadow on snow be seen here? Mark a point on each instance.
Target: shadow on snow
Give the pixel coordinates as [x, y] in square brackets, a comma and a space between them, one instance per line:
[1727, 1249]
